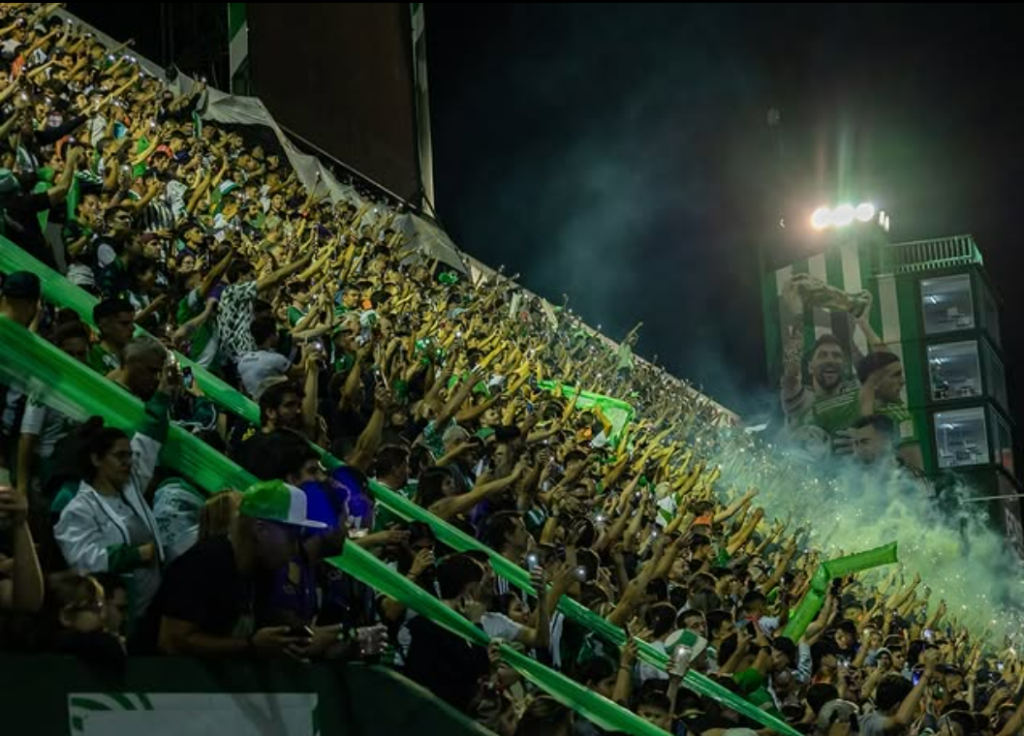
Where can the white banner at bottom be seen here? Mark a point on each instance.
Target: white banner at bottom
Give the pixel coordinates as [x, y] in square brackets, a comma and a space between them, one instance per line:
[192, 714]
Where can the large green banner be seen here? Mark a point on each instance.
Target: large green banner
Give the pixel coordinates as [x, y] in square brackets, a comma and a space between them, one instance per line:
[617, 412]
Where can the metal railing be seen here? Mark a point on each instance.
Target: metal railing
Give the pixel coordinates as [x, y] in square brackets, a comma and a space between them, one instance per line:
[930, 255]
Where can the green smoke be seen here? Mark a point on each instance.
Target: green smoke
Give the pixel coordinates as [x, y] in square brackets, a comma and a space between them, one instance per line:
[849, 508]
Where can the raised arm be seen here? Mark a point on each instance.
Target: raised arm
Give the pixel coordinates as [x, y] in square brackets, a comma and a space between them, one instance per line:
[737, 541]
[780, 569]
[58, 193]
[539, 636]
[459, 397]
[792, 342]
[373, 434]
[731, 511]
[216, 274]
[277, 277]
[633, 594]
[26, 590]
[908, 708]
[449, 508]
[311, 397]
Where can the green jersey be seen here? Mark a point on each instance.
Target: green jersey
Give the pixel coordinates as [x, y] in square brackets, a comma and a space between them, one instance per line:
[836, 413]
[102, 360]
[202, 346]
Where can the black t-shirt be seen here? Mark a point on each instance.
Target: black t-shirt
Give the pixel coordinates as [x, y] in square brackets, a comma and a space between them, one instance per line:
[204, 587]
[259, 454]
[444, 663]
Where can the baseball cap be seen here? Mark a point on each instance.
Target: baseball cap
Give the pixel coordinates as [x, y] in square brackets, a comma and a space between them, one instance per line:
[21, 285]
[687, 638]
[278, 501]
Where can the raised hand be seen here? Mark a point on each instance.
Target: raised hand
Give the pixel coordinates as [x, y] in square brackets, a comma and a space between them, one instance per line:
[423, 561]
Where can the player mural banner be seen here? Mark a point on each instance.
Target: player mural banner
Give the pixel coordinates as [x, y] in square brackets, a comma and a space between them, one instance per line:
[833, 327]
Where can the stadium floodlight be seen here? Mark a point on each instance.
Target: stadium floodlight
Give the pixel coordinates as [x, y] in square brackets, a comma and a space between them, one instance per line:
[843, 215]
[821, 218]
[865, 212]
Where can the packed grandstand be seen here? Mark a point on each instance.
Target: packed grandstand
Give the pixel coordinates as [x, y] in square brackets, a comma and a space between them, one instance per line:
[252, 412]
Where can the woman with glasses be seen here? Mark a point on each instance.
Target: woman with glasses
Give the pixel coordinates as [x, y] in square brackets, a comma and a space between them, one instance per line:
[108, 526]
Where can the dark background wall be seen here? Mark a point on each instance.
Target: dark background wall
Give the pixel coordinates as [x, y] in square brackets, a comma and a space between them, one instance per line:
[340, 76]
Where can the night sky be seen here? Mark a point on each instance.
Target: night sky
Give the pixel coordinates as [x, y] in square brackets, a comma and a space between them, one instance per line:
[621, 155]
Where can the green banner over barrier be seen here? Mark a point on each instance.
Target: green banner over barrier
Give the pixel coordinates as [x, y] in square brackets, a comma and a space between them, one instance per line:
[813, 601]
[612, 717]
[41, 371]
[616, 411]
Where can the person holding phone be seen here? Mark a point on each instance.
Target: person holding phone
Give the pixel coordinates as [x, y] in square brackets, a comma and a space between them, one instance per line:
[897, 700]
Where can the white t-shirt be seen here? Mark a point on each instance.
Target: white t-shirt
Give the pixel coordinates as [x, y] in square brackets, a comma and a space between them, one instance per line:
[49, 425]
[255, 368]
[105, 255]
[498, 626]
[768, 625]
[647, 672]
[81, 275]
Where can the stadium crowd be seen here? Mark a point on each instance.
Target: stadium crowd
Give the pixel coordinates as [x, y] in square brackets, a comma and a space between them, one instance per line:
[426, 383]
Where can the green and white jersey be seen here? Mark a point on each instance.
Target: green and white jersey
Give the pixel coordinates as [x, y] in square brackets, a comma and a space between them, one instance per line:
[836, 413]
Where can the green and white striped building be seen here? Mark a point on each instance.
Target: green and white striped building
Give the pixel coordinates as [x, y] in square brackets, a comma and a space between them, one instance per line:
[935, 308]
